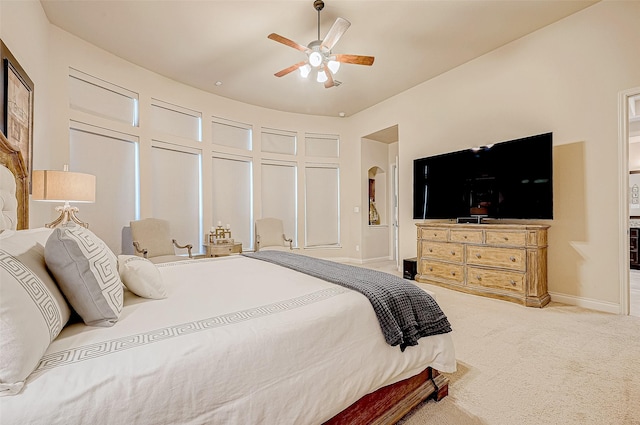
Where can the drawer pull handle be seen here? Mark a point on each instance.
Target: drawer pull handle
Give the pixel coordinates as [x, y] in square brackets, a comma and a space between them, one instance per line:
[453, 252]
[435, 234]
[479, 277]
[512, 258]
[465, 236]
[453, 273]
[506, 238]
[512, 282]
[478, 255]
[430, 269]
[430, 249]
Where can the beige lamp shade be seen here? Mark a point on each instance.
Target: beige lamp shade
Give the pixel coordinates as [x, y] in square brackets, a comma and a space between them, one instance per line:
[62, 186]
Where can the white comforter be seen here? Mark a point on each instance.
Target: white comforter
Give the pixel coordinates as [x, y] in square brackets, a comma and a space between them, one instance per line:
[237, 341]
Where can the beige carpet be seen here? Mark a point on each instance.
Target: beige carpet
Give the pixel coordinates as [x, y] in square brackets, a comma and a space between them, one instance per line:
[556, 365]
[519, 365]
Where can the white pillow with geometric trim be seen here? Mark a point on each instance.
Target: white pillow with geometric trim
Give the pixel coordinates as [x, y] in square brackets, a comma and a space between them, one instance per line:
[87, 273]
[141, 277]
[32, 309]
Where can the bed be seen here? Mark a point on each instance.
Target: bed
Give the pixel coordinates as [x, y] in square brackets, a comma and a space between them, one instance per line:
[229, 340]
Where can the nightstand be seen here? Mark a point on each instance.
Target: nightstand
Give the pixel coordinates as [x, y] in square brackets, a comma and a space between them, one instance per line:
[220, 250]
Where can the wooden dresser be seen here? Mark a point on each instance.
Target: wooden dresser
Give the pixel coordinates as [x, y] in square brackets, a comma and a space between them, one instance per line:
[505, 261]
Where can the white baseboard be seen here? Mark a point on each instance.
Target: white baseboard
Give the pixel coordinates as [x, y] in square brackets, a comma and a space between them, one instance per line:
[358, 260]
[344, 260]
[604, 306]
[375, 260]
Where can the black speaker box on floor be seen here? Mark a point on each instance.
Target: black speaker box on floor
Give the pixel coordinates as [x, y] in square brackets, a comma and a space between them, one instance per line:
[409, 268]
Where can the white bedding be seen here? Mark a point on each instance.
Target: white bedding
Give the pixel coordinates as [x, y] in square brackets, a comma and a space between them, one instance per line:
[236, 341]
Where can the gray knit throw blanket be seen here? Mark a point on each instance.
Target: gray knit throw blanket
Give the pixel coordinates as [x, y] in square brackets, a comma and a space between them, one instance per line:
[405, 312]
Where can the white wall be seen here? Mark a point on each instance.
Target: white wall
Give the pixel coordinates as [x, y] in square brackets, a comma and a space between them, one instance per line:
[53, 51]
[24, 28]
[563, 78]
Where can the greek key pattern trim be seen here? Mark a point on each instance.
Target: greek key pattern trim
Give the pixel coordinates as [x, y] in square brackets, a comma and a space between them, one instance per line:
[91, 351]
[36, 289]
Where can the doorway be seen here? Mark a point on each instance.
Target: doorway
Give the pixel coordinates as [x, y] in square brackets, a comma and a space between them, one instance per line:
[629, 154]
[380, 149]
[394, 213]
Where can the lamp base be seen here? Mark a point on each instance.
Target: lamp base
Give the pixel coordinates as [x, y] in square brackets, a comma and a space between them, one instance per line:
[67, 214]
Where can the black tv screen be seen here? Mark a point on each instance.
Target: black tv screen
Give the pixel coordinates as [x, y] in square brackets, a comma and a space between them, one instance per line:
[505, 180]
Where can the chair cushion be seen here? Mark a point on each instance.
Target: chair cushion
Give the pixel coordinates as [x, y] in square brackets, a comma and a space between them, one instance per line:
[87, 272]
[270, 232]
[153, 235]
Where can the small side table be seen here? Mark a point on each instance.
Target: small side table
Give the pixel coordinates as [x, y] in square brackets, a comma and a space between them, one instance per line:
[220, 250]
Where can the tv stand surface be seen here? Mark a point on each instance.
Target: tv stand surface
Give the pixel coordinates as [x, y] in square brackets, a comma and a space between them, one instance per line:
[505, 261]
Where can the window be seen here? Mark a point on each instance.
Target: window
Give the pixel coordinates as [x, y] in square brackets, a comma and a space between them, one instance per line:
[113, 158]
[232, 194]
[101, 98]
[176, 120]
[322, 206]
[322, 145]
[229, 133]
[278, 141]
[278, 195]
[176, 176]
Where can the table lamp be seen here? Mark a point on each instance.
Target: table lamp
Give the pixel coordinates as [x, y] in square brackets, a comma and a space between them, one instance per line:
[63, 186]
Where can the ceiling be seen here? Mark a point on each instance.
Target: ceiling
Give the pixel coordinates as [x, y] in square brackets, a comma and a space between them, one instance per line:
[202, 42]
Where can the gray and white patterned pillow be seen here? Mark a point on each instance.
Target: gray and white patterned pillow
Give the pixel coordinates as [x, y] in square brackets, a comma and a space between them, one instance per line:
[87, 273]
[32, 308]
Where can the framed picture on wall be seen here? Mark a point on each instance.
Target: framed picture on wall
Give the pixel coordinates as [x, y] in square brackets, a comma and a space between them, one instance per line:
[16, 107]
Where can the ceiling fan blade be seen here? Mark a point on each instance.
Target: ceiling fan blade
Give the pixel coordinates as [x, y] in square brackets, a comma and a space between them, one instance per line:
[337, 29]
[329, 83]
[287, 42]
[355, 59]
[290, 69]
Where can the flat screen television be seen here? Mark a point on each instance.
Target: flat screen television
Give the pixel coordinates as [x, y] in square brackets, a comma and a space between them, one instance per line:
[510, 179]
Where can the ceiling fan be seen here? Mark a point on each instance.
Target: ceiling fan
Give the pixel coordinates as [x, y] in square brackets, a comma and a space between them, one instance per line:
[320, 59]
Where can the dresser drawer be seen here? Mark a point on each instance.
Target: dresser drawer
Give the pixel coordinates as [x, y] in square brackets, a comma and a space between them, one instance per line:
[474, 236]
[512, 238]
[443, 251]
[435, 269]
[221, 250]
[510, 258]
[434, 234]
[512, 281]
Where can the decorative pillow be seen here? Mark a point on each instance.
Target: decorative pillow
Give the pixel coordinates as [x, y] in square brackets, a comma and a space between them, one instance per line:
[141, 276]
[87, 272]
[32, 309]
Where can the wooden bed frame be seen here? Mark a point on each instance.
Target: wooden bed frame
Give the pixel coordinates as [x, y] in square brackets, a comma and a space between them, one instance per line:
[389, 404]
[385, 406]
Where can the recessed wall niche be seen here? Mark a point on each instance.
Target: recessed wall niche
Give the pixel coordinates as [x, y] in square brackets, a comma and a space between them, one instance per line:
[377, 196]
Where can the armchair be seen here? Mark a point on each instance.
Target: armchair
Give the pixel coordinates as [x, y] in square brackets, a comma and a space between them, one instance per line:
[270, 233]
[151, 240]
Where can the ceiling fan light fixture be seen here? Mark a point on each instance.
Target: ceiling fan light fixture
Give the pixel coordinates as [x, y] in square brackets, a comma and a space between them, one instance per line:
[322, 77]
[315, 59]
[320, 61]
[305, 70]
[334, 66]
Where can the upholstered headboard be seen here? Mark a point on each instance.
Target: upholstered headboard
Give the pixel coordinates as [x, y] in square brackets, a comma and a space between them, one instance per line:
[14, 188]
